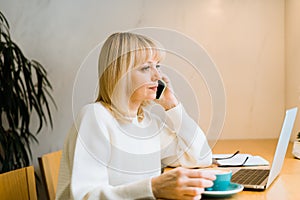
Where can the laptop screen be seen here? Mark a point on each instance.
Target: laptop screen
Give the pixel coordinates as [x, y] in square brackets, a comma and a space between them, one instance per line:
[282, 144]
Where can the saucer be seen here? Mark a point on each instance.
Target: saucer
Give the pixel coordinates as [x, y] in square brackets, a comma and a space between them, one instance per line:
[233, 188]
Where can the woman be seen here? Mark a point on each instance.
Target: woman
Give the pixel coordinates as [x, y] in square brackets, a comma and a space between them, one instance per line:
[118, 145]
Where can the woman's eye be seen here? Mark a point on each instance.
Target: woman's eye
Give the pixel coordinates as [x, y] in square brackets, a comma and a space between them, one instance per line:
[146, 68]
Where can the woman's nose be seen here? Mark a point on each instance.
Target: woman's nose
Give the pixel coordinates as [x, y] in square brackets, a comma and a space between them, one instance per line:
[155, 74]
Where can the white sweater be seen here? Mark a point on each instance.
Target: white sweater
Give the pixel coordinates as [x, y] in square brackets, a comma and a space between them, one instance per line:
[109, 158]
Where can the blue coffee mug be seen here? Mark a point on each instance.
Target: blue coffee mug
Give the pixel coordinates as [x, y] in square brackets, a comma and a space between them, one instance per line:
[223, 177]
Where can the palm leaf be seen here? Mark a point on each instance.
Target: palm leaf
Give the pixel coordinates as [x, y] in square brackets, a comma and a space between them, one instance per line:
[24, 90]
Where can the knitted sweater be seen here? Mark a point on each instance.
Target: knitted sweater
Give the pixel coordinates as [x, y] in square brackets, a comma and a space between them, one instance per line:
[106, 157]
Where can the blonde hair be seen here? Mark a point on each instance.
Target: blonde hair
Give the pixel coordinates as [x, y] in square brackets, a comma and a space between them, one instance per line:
[121, 53]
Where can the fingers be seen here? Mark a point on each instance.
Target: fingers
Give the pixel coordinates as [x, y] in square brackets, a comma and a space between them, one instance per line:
[197, 178]
[197, 173]
[191, 197]
[192, 193]
[183, 183]
[165, 79]
[199, 182]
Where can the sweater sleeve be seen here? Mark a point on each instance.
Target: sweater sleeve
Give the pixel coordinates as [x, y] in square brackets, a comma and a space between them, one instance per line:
[86, 157]
[90, 181]
[185, 144]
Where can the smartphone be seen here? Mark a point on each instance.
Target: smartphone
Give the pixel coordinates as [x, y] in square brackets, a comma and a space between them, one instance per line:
[160, 88]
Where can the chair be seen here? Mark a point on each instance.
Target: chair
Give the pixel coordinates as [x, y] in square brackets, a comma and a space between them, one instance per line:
[18, 184]
[49, 166]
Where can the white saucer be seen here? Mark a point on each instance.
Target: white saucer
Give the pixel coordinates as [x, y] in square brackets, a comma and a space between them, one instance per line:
[233, 188]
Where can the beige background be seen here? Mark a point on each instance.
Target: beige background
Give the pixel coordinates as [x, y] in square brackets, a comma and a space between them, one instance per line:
[292, 58]
[254, 44]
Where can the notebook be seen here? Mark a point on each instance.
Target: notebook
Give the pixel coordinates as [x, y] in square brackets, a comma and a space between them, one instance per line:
[238, 159]
[261, 179]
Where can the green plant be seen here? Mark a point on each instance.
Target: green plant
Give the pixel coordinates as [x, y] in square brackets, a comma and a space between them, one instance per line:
[24, 90]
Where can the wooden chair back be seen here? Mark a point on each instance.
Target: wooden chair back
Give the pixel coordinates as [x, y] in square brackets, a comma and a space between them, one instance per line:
[49, 166]
[18, 184]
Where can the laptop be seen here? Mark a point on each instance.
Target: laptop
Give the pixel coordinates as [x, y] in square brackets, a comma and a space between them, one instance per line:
[260, 179]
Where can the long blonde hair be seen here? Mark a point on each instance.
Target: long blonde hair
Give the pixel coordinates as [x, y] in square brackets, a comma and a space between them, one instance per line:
[121, 53]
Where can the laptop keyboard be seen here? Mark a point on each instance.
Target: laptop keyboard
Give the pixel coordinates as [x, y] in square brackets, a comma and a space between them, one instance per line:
[250, 176]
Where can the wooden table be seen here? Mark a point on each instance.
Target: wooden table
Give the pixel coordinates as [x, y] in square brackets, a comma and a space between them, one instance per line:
[287, 184]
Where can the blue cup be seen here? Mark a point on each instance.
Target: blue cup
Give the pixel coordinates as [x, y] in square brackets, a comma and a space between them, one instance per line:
[223, 177]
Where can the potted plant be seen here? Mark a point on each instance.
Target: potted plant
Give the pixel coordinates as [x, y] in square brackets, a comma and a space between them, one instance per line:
[24, 92]
[296, 147]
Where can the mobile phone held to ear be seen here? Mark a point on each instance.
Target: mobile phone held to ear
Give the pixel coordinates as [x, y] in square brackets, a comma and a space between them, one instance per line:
[160, 88]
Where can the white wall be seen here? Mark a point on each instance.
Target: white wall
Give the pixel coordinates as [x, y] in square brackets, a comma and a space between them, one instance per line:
[292, 36]
[244, 38]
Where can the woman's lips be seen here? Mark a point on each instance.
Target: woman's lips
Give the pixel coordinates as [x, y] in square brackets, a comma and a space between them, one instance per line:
[154, 88]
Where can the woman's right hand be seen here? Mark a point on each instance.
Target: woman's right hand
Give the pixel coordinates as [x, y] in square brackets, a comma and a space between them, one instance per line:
[182, 183]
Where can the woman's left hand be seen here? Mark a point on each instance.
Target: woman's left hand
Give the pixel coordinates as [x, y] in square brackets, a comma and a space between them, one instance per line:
[168, 99]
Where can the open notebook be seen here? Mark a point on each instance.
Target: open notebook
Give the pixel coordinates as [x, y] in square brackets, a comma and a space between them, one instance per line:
[234, 160]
